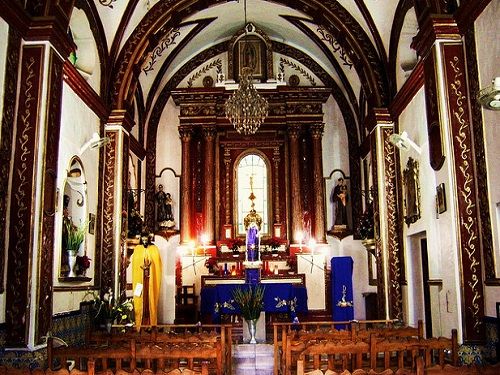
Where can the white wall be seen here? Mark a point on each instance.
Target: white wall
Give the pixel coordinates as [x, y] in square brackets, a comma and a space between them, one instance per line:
[488, 57]
[168, 155]
[335, 152]
[4, 36]
[78, 123]
[439, 231]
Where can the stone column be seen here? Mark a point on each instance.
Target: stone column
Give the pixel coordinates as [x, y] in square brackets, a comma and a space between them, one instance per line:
[209, 133]
[318, 183]
[451, 150]
[114, 202]
[186, 204]
[296, 199]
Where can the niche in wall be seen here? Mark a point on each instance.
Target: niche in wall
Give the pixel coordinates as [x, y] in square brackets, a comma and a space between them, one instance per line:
[74, 218]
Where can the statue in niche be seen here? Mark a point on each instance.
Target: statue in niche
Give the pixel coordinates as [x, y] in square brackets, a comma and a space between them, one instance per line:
[164, 215]
[339, 198]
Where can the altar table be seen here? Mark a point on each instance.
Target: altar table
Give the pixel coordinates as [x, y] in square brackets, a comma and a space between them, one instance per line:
[278, 298]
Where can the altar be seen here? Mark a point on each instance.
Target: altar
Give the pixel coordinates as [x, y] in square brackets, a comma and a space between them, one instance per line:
[278, 298]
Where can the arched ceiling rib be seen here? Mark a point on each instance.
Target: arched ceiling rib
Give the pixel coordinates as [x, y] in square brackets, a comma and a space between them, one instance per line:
[167, 14]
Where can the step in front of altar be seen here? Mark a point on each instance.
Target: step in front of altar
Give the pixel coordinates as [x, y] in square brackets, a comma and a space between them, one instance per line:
[253, 359]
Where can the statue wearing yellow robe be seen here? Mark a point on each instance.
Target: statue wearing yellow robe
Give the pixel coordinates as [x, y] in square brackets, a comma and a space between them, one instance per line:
[146, 258]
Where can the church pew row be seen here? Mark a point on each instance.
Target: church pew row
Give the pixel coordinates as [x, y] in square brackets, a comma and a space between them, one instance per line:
[289, 339]
[380, 355]
[11, 371]
[151, 348]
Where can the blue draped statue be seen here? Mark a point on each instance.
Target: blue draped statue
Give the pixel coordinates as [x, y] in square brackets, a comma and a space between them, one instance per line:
[252, 243]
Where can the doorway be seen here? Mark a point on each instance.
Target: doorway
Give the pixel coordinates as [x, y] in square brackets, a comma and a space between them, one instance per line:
[427, 288]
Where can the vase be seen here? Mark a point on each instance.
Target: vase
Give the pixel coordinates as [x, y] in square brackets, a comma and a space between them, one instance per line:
[252, 329]
[72, 262]
[109, 324]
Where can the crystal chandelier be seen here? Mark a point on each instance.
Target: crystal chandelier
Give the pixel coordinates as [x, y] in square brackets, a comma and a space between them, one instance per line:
[246, 109]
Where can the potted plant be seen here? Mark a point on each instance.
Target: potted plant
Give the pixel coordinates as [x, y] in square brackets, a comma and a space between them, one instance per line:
[74, 238]
[274, 243]
[234, 245]
[251, 302]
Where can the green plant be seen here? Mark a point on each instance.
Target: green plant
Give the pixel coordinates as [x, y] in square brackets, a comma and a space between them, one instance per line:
[109, 308]
[250, 300]
[74, 235]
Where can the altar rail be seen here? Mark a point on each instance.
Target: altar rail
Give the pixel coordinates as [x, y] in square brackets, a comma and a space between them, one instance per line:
[289, 337]
[157, 347]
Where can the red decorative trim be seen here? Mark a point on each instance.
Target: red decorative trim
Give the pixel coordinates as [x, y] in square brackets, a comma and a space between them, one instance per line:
[468, 12]
[84, 91]
[46, 29]
[468, 219]
[393, 222]
[408, 91]
[436, 26]
[14, 15]
[137, 148]
[7, 138]
[107, 263]
[21, 218]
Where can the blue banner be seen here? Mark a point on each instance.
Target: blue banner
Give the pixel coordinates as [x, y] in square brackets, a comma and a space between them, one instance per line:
[341, 279]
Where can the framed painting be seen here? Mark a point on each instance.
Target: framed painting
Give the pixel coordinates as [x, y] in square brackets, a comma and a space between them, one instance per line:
[250, 54]
[411, 192]
[440, 199]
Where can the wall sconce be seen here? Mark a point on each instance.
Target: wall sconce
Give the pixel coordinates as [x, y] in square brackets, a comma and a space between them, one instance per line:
[95, 142]
[489, 97]
[404, 143]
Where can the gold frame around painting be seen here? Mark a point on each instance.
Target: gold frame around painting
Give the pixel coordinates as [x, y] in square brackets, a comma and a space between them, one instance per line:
[250, 54]
[440, 198]
[411, 192]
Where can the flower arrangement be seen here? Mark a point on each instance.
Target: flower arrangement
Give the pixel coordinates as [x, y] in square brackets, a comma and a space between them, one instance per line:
[274, 243]
[74, 235]
[234, 244]
[110, 309]
[250, 300]
[211, 264]
[366, 226]
[82, 264]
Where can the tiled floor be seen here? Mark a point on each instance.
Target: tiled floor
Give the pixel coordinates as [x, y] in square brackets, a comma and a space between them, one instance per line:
[253, 359]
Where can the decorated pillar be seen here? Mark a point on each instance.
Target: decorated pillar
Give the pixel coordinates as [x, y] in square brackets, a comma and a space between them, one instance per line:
[296, 200]
[318, 183]
[185, 133]
[387, 234]
[32, 112]
[115, 183]
[451, 147]
[209, 133]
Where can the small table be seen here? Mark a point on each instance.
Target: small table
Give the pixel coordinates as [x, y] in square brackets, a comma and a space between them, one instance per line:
[278, 298]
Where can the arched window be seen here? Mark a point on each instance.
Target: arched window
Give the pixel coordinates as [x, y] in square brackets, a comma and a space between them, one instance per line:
[251, 175]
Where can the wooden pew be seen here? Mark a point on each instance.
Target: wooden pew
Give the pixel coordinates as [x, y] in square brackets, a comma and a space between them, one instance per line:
[347, 353]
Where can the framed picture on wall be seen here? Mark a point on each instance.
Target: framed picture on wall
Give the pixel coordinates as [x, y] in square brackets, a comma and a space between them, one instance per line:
[91, 223]
[411, 192]
[250, 54]
[440, 199]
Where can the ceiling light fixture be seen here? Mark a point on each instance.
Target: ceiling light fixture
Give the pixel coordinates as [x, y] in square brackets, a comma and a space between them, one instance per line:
[246, 109]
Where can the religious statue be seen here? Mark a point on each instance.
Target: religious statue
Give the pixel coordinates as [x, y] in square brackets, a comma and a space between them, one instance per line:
[164, 215]
[339, 197]
[146, 281]
[253, 224]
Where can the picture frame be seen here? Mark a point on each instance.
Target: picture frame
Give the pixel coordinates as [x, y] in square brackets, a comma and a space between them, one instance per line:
[411, 192]
[91, 223]
[250, 54]
[440, 198]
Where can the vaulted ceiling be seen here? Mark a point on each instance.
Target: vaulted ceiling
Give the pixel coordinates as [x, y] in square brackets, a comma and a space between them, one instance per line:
[145, 48]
